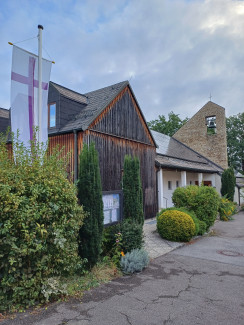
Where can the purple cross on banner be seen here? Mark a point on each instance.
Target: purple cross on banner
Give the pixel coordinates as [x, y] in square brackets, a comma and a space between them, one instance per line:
[24, 101]
[31, 82]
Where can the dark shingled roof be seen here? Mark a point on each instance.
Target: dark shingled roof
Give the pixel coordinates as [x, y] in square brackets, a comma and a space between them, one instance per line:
[70, 93]
[171, 153]
[97, 101]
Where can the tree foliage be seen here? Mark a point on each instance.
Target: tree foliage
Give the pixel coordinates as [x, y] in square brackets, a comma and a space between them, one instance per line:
[39, 224]
[90, 196]
[132, 189]
[168, 127]
[228, 182]
[235, 141]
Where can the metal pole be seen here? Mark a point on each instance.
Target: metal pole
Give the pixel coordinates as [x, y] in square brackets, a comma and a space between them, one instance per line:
[39, 124]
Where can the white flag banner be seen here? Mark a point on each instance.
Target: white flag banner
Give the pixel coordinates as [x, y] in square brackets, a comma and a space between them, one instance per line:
[24, 95]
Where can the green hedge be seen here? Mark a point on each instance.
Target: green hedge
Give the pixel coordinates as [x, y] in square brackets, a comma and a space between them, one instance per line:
[39, 223]
[203, 200]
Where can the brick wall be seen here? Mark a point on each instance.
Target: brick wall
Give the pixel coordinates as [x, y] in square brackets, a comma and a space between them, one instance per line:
[194, 134]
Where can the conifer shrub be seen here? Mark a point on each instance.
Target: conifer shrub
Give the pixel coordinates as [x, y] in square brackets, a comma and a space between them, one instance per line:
[132, 235]
[203, 200]
[175, 225]
[39, 224]
[134, 261]
[132, 191]
[228, 182]
[90, 196]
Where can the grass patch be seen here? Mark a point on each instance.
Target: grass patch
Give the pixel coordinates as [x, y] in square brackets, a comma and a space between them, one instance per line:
[102, 272]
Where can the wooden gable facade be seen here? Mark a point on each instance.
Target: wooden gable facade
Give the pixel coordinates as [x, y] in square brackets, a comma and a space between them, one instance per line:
[117, 128]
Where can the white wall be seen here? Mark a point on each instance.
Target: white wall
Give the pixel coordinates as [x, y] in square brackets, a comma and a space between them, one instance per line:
[174, 176]
[171, 176]
[236, 195]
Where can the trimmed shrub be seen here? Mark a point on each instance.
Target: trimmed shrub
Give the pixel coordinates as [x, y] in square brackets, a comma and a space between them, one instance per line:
[226, 209]
[190, 213]
[203, 200]
[228, 182]
[39, 223]
[134, 261]
[90, 196]
[132, 189]
[176, 226]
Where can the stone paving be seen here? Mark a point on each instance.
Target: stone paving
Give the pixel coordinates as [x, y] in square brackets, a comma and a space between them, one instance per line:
[153, 243]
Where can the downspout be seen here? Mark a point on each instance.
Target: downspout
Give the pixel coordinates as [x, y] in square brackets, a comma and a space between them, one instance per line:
[75, 156]
[239, 196]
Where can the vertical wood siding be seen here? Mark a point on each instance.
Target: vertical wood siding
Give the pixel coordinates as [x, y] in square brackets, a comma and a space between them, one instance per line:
[112, 151]
[123, 118]
[66, 143]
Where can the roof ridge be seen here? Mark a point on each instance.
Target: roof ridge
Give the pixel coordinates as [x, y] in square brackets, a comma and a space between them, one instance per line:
[99, 89]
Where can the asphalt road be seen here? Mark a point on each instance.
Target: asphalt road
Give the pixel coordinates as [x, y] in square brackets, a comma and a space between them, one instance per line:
[200, 283]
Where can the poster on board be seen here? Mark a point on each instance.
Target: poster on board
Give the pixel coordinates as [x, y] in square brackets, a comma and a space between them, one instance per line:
[111, 207]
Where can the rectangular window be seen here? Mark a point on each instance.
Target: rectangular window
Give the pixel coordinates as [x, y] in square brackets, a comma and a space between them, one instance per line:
[169, 185]
[52, 115]
[177, 183]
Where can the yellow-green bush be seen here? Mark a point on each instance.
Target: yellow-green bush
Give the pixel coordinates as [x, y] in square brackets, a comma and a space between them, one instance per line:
[226, 209]
[39, 223]
[175, 225]
[203, 200]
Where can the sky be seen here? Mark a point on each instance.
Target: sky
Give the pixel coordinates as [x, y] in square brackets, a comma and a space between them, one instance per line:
[175, 53]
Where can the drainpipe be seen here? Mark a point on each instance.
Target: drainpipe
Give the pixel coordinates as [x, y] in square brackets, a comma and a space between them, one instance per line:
[75, 156]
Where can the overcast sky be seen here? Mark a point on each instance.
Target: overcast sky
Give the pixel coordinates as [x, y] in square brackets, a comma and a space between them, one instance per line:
[173, 52]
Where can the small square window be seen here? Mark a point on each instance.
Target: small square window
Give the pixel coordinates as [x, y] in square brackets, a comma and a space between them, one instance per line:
[169, 185]
[52, 115]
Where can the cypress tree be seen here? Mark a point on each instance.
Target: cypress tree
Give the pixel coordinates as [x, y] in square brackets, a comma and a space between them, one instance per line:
[228, 182]
[90, 196]
[132, 189]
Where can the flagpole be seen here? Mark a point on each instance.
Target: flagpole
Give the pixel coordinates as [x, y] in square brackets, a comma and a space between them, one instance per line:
[39, 124]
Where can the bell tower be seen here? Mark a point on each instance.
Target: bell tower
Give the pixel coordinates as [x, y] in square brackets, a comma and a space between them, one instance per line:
[205, 133]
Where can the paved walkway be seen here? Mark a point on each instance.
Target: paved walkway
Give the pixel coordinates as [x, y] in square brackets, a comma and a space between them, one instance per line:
[153, 243]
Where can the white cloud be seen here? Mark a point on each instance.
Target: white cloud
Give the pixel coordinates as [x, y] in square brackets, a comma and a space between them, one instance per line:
[175, 52]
